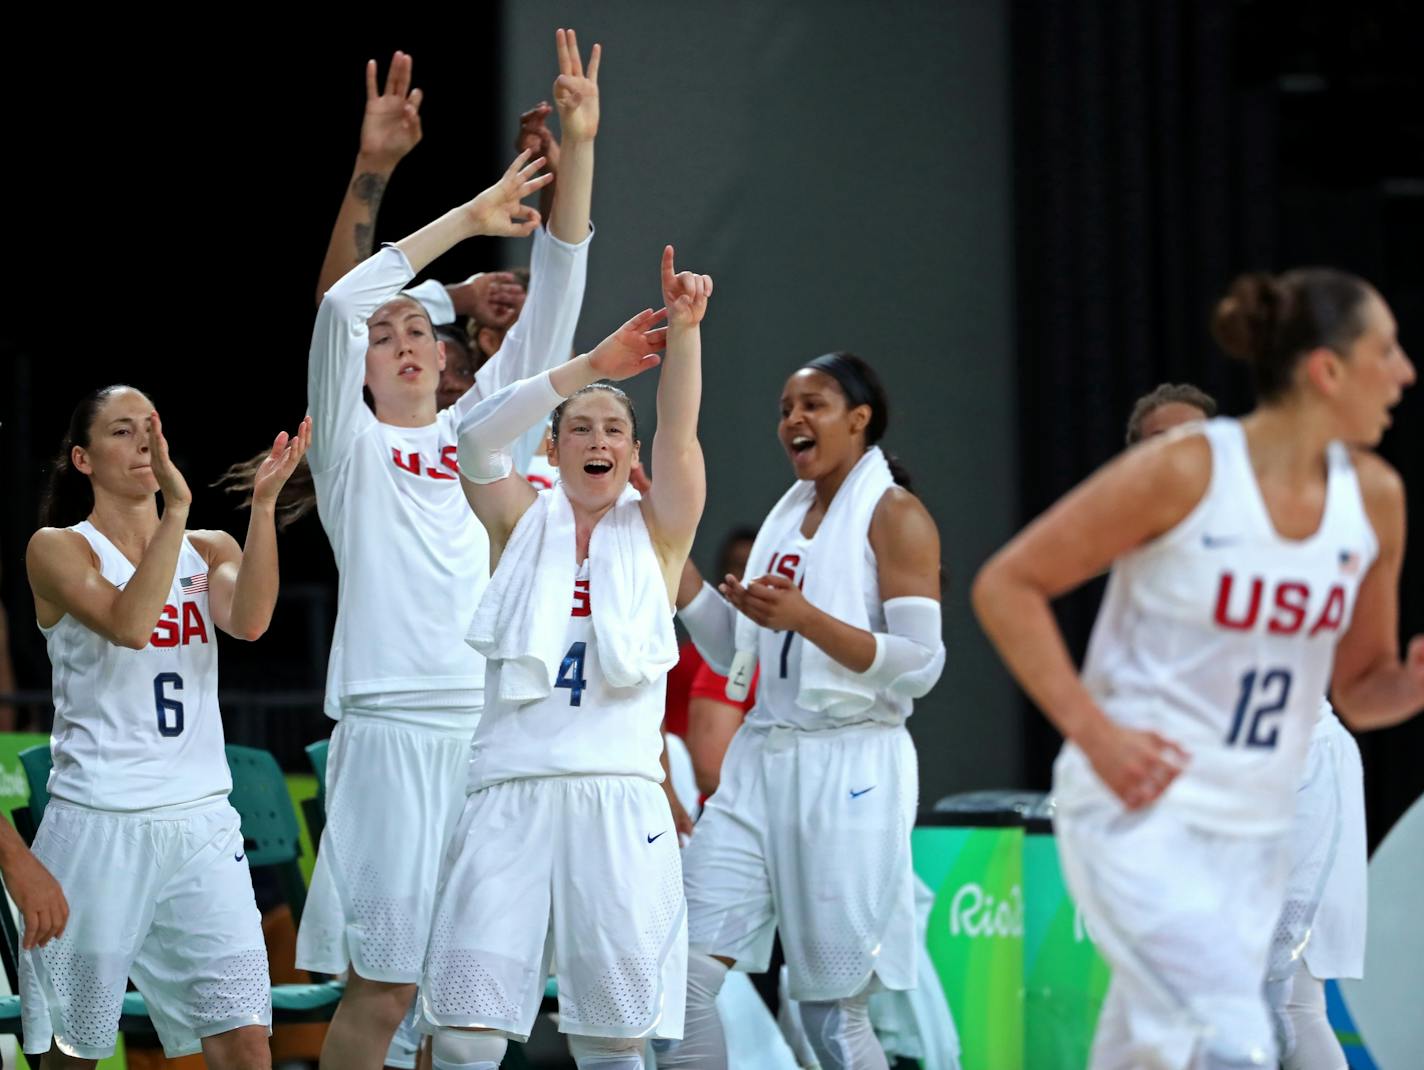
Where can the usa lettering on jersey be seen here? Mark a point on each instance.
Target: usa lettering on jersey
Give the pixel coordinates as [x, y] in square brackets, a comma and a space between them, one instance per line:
[1239, 608]
[173, 631]
[411, 462]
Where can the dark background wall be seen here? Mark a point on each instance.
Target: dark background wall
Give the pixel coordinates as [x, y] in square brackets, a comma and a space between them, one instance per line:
[1020, 211]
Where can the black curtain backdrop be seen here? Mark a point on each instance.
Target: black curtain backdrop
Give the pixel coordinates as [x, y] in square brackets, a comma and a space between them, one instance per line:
[1160, 149]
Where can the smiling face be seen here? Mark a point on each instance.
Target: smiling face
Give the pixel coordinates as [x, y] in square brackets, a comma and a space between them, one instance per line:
[117, 458]
[818, 430]
[403, 359]
[594, 448]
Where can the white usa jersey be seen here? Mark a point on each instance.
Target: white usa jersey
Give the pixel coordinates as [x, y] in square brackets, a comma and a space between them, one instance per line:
[779, 653]
[139, 729]
[584, 727]
[412, 559]
[1220, 635]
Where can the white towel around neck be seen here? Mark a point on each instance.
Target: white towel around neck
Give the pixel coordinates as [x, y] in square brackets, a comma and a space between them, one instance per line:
[522, 618]
[834, 583]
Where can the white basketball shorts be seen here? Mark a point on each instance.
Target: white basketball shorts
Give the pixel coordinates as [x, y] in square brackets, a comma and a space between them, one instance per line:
[1184, 917]
[584, 869]
[163, 898]
[810, 831]
[393, 794]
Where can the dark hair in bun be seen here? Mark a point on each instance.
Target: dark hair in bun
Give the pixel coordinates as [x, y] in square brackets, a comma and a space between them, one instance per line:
[1271, 321]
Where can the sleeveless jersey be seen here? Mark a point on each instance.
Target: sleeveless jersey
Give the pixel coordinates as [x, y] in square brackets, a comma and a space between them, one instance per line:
[584, 727]
[779, 653]
[1220, 635]
[139, 729]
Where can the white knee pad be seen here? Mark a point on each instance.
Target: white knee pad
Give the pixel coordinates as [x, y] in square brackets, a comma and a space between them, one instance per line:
[840, 1034]
[461, 1049]
[1241, 1032]
[703, 1045]
[606, 1053]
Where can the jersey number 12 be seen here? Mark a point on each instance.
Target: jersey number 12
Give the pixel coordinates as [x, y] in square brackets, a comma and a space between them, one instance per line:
[1257, 704]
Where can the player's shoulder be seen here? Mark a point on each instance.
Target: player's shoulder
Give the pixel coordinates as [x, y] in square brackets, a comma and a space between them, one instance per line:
[899, 507]
[1382, 492]
[49, 545]
[1379, 481]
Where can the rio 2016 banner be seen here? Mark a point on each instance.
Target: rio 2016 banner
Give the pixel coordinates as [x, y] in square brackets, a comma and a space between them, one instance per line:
[1016, 962]
[976, 931]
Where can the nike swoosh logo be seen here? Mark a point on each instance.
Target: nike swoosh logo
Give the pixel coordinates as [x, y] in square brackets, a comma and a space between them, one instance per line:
[857, 794]
[662, 833]
[1214, 542]
[239, 857]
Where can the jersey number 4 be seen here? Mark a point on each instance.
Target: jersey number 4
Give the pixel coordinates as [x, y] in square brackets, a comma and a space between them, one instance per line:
[571, 673]
[170, 710]
[1256, 705]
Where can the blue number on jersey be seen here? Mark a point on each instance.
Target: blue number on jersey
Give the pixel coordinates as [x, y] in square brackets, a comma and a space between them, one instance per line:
[786, 652]
[1260, 734]
[162, 703]
[571, 673]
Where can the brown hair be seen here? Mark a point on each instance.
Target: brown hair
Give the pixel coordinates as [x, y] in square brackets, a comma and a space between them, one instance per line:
[1167, 394]
[295, 500]
[1271, 321]
[606, 388]
[68, 496]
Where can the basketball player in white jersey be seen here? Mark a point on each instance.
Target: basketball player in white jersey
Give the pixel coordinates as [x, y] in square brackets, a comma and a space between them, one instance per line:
[1246, 555]
[413, 561]
[809, 830]
[138, 830]
[1321, 931]
[566, 847]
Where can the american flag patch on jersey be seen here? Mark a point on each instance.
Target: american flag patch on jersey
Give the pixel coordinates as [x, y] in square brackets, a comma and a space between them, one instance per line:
[194, 584]
[1349, 562]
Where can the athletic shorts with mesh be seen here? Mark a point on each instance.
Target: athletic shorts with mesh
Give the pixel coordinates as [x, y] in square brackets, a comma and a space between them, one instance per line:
[581, 870]
[810, 832]
[164, 898]
[393, 794]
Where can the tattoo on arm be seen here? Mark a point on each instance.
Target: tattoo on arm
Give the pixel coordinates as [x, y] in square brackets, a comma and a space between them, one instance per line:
[368, 188]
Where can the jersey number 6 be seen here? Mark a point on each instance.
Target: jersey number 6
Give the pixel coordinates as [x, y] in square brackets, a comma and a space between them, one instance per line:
[170, 710]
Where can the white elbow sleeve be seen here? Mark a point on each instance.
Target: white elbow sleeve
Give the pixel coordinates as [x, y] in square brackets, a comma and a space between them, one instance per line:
[484, 464]
[909, 655]
[489, 430]
[709, 619]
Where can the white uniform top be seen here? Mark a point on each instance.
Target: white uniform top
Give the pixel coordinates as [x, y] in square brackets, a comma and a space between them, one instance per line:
[1220, 635]
[412, 558]
[139, 729]
[585, 727]
[779, 653]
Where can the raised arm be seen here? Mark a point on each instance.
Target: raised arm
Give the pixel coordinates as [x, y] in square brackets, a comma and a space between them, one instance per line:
[499, 496]
[679, 491]
[243, 583]
[65, 579]
[543, 335]
[336, 367]
[390, 128]
[1371, 687]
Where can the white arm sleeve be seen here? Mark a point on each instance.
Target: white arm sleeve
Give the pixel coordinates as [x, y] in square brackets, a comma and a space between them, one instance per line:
[336, 365]
[710, 620]
[487, 430]
[436, 300]
[909, 656]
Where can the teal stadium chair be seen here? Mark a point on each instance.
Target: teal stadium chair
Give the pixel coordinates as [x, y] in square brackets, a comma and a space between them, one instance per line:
[314, 810]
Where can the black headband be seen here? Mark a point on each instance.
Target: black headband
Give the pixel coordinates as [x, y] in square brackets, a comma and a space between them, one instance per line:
[852, 383]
